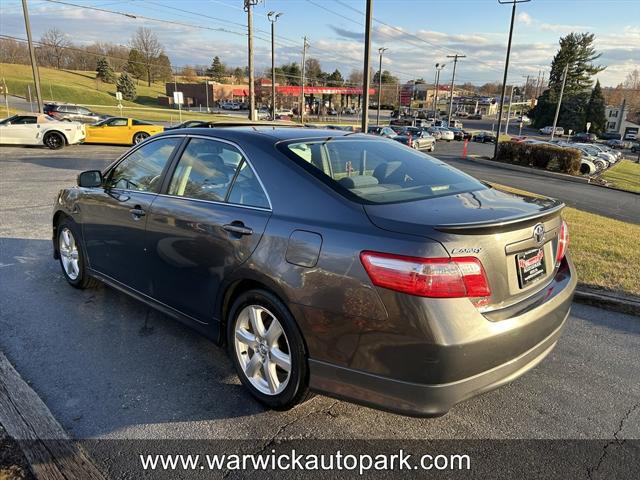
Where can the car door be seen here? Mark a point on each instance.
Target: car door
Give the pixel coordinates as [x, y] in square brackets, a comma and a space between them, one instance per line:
[114, 130]
[207, 223]
[21, 130]
[114, 216]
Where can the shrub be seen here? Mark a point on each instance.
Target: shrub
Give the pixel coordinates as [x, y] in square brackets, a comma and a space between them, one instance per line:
[540, 155]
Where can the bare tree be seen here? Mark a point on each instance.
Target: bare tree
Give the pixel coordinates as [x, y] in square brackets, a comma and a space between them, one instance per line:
[54, 47]
[13, 52]
[146, 42]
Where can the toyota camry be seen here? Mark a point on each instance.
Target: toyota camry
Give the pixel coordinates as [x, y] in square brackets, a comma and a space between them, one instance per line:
[327, 261]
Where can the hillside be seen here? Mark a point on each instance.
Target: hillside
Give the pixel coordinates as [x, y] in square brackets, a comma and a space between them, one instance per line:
[81, 87]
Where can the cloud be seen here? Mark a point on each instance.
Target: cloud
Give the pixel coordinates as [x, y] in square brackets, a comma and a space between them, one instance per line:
[524, 17]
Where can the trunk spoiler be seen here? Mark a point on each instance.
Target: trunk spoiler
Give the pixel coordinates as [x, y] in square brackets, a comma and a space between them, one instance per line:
[500, 224]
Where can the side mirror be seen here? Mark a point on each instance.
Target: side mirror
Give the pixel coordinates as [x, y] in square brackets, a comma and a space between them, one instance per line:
[90, 179]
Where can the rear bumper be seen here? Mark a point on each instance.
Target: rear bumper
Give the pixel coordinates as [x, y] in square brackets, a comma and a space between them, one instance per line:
[471, 353]
[417, 399]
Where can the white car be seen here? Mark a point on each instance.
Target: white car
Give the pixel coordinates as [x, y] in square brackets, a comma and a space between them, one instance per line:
[40, 129]
[548, 130]
[445, 133]
[631, 136]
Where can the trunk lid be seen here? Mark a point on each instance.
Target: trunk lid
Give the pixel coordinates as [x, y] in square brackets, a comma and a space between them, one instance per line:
[495, 226]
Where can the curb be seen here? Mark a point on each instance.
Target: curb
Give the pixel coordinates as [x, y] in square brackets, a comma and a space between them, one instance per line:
[608, 300]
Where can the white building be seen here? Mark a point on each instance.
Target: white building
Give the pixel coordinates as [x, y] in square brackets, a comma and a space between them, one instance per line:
[615, 118]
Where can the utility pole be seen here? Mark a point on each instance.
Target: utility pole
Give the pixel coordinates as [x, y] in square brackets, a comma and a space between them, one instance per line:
[555, 118]
[506, 127]
[506, 67]
[526, 86]
[453, 79]
[365, 72]
[32, 54]
[304, 67]
[273, 18]
[248, 4]
[381, 50]
[439, 67]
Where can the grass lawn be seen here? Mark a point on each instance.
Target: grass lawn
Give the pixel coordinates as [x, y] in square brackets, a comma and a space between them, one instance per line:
[624, 175]
[602, 249]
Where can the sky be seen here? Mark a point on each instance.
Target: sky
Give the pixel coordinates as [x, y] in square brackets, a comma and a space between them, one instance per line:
[417, 33]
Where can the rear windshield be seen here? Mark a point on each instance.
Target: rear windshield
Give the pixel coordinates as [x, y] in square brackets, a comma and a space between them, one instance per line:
[378, 171]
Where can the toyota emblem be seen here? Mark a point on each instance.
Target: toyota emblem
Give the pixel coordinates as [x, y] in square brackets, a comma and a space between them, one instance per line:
[538, 233]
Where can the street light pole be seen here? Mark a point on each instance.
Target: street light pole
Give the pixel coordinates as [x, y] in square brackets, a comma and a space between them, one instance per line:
[248, 4]
[365, 72]
[273, 18]
[506, 67]
[435, 100]
[453, 79]
[506, 128]
[555, 118]
[381, 50]
[32, 54]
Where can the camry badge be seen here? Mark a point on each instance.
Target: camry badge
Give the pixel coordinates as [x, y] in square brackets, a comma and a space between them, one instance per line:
[539, 233]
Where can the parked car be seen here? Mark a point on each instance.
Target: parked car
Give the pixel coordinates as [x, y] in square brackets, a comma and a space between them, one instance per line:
[631, 136]
[381, 131]
[460, 134]
[435, 133]
[445, 133]
[635, 147]
[549, 130]
[616, 144]
[121, 130]
[261, 238]
[484, 137]
[585, 137]
[523, 119]
[75, 113]
[264, 113]
[611, 136]
[475, 116]
[40, 129]
[416, 137]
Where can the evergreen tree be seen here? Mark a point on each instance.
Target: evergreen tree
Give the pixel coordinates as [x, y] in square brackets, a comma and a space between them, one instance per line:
[577, 51]
[135, 65]
[217, 71]
[104, 71]
[238, 75]
[126, 86]
[595, 110]
[335, 79]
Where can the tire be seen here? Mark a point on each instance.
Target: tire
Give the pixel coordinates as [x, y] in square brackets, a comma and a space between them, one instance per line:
[432, 148]
[54, 140]
[139, 137]
[71, 256]
[285, 389]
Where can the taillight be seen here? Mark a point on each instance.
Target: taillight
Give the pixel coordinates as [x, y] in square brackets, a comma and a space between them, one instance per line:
[427, 277]
[563, 242]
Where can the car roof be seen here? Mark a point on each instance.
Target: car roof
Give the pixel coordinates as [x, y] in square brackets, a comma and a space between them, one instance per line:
[274, 133]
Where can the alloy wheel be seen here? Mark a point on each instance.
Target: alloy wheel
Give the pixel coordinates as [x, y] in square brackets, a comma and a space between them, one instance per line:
[262, 349]
[69, 253]
[54, 141]
[139, 137]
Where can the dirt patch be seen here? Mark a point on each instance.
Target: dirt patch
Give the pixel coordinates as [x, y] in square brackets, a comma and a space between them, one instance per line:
[13, 465]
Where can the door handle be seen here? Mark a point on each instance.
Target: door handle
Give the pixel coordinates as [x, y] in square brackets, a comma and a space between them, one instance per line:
[238, 228]
[137, 212]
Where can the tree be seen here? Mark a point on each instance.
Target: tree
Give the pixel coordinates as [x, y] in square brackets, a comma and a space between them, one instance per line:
[217, 71]
[104, 71]
[162, 69]
[292, 73]
[335, 79]
[388, 78]
[595, 110]
[149, 47]
[126, 86]
[577, 52]
[13, 52]
[238, 75]
[355, 77]
[189, 74]
[54, 47]
[135, 64]
[313, 72]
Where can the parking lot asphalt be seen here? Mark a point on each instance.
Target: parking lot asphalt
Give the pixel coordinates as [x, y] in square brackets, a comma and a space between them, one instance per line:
[108, 368]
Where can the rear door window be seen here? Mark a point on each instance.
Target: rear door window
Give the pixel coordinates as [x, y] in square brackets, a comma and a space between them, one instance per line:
[378, 171]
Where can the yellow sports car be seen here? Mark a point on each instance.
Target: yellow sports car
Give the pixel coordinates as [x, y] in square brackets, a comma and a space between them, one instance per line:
[121, 130]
